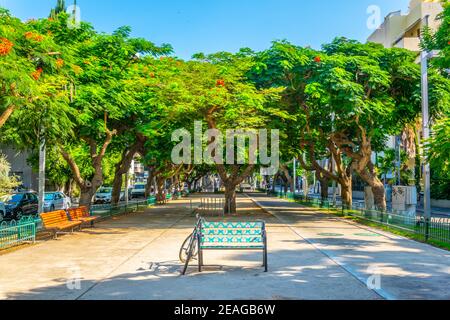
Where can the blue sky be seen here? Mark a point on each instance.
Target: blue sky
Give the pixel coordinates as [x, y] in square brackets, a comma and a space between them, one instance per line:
[192, 26]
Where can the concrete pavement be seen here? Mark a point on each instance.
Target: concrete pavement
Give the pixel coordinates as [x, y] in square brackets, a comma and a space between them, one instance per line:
[136, 257]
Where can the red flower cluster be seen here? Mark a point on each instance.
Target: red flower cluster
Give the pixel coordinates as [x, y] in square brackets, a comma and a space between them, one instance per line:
[33, 36]
[220, 83]
[317, 59]
[5, 46]
[37, 74]
[59, 63]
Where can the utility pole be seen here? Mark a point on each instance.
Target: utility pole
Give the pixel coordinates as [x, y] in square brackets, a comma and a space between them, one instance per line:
[127, 186]
[426, 134]
[399, 160]
[42, 154]
[333, 167]
[295, 176]
[424, 56]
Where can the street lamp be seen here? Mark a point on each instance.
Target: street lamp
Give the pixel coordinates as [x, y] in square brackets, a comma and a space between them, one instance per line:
[424, 57]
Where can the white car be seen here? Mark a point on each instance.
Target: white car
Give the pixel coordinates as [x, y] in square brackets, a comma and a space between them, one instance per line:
[104, 195]
[56, 201]
[138, 191]
[2, 211]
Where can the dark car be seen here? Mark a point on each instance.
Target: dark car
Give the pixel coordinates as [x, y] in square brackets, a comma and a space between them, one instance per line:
[18, 205]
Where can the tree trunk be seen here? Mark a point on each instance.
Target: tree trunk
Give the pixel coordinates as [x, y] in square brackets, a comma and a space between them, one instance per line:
[230, 199]
[117, 187]
[6, 114]
[149, 185]
[87, 193]
[379, 195]
[123, 167]
[369, 176]
[274, 183]
[324, 182]
[160, 196]
[89, 188]
[347, 192]
[289, 181]
[189, 186]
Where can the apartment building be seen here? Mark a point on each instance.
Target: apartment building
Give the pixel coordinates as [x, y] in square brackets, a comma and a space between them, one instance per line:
[20, 167]
[401, 30]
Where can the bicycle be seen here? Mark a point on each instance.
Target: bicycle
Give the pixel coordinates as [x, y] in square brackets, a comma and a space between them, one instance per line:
[189, 249]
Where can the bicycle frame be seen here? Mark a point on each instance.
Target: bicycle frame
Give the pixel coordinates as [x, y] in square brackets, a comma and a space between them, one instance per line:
[194, 237]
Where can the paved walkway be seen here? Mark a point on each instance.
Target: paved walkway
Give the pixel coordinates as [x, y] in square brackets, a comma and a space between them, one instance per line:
[406, 269]
[136, 257]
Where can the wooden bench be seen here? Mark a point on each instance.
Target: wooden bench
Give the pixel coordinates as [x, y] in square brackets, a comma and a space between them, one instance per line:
[58, 222]
[232, 236]
[82, 214]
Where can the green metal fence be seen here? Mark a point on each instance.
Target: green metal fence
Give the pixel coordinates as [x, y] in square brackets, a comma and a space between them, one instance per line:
[109, 210]
[16, 233]
[152, 201]
[436, 228]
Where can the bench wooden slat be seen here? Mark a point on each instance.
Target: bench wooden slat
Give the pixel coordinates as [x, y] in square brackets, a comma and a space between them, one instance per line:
[58, 220]
[81, 214]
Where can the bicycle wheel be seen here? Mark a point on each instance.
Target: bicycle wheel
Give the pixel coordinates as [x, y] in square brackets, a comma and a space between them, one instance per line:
[188, 244]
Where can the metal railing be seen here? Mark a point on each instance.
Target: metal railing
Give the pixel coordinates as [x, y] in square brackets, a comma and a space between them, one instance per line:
[425, 229]
[16, 233]
[212, 206]
[109, 210]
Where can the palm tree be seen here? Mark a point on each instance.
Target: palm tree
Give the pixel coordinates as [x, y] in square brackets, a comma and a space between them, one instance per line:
[60, 7]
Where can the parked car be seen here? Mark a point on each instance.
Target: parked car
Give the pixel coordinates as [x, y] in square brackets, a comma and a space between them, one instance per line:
[2, 210]
[56, 201]
[104, 195]
[245, 187]
[138, 191]
[20, 204]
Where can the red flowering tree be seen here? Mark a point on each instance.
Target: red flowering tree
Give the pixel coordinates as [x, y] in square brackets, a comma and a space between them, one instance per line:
[28, 74]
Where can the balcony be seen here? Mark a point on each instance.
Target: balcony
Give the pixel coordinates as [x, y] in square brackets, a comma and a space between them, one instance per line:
[410, 43]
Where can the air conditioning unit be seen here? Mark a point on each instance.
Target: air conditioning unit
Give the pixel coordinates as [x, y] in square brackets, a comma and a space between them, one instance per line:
[403, 196]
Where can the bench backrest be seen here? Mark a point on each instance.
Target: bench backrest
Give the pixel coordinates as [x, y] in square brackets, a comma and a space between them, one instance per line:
[54, 218]
[78, 213]
[83, 212]
[233, 234]
[74, 214]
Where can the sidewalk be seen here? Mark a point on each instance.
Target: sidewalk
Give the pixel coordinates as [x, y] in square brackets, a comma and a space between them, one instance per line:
[407, 269]
[311, 256]
[136, 257]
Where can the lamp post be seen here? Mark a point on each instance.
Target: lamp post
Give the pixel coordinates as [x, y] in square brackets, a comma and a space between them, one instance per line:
[424, 57]
[41, 187]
